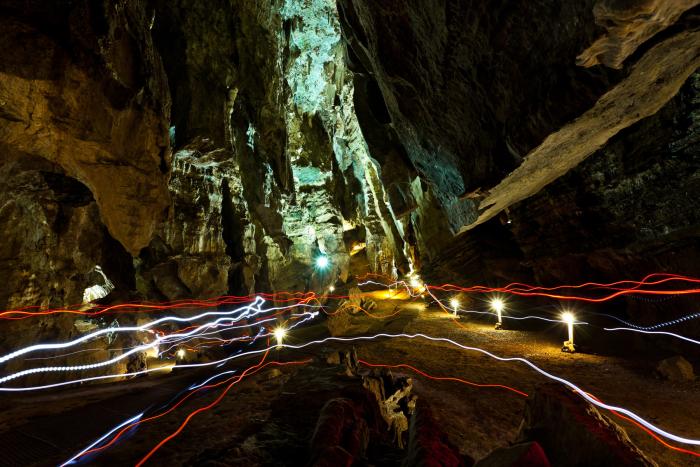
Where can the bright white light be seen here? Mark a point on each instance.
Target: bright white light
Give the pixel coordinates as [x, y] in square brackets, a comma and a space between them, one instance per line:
[331, 289]
[497, 305]
[415, 282]
[568, 317]
[322, 262]
[454, 303]
[181, 353]
[280, 334]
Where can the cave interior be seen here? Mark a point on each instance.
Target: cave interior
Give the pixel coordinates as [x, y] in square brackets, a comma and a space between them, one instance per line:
[350, 232]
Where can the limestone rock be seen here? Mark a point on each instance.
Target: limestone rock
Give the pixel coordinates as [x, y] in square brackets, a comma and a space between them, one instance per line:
[524, 454]
[53, 239]
[628, 26]
[573, 432]
[459, 135]
[95, 103]
[653, 81]
[676, 369]
[396, 403]
[462, 98]
[340, 322]
[341, 434]
[204, 231]
[428, 445]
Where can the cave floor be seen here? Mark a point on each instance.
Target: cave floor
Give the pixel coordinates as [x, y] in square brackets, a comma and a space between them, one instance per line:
[269, 417]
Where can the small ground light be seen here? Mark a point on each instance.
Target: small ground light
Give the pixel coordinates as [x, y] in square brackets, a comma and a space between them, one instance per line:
[498, 305]
[322, 262]
[331, 289]
[417, 285]
[569, 319]
[279, 334]
[181, 354]
[454, 304]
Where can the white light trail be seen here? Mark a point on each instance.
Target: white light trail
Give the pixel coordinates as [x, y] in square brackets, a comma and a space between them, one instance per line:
[105, 436]
[255, 306]
[563, 381]
[539, 370]
[677, 336]
[656, 326]
[12, 376]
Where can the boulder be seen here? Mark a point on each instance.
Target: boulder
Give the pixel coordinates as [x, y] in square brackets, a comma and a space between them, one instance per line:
[676, 369]
[574, 433]
[519, 455]
[343, 430]
[340, 322]
[428, 445]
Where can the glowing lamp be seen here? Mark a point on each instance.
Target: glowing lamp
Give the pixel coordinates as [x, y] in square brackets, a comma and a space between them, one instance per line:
[322, 262]
[416, 284]
[331, 289]
[454, 304]
[569, 319]
[181, 354]
[497, 305]
[279, 334]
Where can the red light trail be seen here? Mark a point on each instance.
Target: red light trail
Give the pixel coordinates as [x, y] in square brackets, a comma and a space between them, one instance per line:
[443, 378]
[250, 311]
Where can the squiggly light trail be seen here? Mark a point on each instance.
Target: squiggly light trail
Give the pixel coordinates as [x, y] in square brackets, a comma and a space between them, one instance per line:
[254, 310]
[98, 441]
[100, 310]
[578, 323]
[677, 336]
[634, 328]
[442, 378]
[145, 327]
[107, 363]
[643, 287]
[566, 382]
[581, 392]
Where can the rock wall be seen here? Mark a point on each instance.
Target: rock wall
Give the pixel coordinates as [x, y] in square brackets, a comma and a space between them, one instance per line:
[291, 158]
[84, 109]
[468, 93]
[269, 167]
[301, 128]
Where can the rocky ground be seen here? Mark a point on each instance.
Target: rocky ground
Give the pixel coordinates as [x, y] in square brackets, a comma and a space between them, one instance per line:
[270, 418]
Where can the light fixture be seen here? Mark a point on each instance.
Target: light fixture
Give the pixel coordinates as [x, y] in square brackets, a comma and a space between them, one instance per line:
[417, 284]
[181, 354]
[569, 319]
[454, 304]
[497, 305]
[322, 262]
[279, 334]
[331, 289]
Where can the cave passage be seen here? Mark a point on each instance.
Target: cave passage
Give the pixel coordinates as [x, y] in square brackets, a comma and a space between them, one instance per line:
[350, 233]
